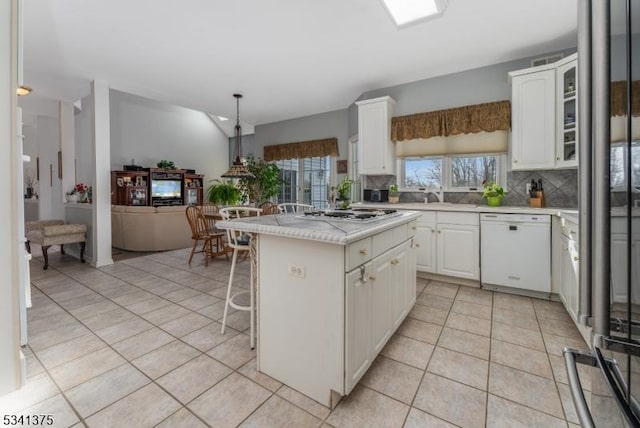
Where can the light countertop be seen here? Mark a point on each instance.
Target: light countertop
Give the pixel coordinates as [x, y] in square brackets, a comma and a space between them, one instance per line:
[446, 206]
[323, 229]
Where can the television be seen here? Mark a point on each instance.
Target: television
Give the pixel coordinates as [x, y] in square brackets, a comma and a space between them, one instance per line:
[166, 188]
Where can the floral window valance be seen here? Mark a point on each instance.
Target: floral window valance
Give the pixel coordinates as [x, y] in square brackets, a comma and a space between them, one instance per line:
[619, 98]
[301, 150]
[487, 117]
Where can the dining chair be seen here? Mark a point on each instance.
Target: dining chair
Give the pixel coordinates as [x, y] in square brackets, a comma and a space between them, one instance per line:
[294, 207]
[200, 233]
[269, 207]
[239, 242]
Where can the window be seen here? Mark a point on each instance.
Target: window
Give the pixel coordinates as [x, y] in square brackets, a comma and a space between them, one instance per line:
[453, 172]
[305, 180]
[618, 166]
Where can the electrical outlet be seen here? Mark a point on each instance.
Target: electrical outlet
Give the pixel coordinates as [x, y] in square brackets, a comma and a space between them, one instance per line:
[528, 187]
[296, 271]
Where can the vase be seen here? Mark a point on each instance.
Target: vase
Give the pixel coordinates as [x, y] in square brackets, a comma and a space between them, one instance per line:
[494, 201]
[29, 192]
[394, 199]
[71, 198]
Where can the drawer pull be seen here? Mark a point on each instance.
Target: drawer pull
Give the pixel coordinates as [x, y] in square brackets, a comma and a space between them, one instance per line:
[363, 252]
[565, 249]
[576, 258]
[439, 231]
[573, 232]
[417, 245]
[413, 228]
[515, 161]
[372, 277]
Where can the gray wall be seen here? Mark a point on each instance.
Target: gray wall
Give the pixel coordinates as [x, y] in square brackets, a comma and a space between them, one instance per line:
[149, 131]
[333, 124]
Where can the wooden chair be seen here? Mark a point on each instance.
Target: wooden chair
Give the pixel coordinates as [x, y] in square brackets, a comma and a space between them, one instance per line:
[294, 207]
[200, 233]
[269, 207]
[211, 211]
[211, 214]
[240, 242]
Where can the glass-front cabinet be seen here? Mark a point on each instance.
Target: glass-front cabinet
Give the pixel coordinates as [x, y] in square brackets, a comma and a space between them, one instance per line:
[567, 131]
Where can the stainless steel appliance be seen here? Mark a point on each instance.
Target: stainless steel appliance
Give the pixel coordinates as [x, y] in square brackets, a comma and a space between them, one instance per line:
[354, 215]
[515, 252]
[609, 109]
[376, 195]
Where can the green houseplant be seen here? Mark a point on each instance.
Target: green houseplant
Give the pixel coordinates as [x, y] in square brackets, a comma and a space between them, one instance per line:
[493, 192]
[223, 193]
[394, 194]
[166, 164]
[344, 193]
[264, 184]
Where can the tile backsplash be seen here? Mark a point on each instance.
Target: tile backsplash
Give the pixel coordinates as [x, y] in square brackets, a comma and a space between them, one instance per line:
[560, 189]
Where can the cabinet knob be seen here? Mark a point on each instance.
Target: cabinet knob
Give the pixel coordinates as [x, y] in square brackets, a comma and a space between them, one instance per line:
[372, 277]
[433, 231]
[395, 262]
[417, 245]
[515, 161]
[565, 249]
[576, 258]
[439, 231]
[363, 252]
[573, 232]
[413, 228]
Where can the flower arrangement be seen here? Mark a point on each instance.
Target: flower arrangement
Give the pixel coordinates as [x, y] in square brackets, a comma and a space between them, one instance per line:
[344, 192]
[79, 188]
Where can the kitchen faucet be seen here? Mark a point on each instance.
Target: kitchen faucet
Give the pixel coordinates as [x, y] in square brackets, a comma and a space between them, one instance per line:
[438, 193]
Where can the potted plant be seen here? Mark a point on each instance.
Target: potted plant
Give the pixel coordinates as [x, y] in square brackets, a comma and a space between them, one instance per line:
[493, 192]
[344, 193]
[29, 182]
[264, 184]
[223, 193]
[166, 164]
[394, 195]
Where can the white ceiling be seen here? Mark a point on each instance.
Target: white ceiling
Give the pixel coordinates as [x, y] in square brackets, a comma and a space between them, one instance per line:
[289, 58]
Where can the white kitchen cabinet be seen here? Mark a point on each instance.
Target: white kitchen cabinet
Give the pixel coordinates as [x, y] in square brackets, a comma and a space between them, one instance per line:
[566, 265]
[533, 118]
[543, 116]
[376, 153]
[458, 251]
[358, 324]
[379, 296]
[619, 262]
[448, 244]
[567, 111]
[425, 241]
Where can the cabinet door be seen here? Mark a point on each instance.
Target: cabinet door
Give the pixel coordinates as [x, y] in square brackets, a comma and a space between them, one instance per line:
[533, 111]
[619, 292]
[374, 136]
[403, 283]
[458, 251]
[358, 325]
[381, 286]
[425, 243]
[567, 115]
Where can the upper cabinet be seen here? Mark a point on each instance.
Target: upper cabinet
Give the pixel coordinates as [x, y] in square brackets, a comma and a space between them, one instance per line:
[376, 154]
[544, 131]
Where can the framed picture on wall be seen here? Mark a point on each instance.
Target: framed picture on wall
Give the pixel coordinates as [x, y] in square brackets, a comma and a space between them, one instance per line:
[341, 166]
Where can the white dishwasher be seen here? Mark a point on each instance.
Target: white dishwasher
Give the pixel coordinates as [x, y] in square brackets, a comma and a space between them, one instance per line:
[515, 251]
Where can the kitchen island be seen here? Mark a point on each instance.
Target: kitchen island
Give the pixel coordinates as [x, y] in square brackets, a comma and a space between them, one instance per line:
[330, 294]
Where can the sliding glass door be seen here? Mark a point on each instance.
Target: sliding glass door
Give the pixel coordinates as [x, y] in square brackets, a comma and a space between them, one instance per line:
[305, 181]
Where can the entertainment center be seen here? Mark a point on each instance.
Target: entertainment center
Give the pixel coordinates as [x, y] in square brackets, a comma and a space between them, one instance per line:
[156, 187]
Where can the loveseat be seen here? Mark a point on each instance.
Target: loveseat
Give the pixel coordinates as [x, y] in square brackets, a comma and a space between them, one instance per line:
[149, 228]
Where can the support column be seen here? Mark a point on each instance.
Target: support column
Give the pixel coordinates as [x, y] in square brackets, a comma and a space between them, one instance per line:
[10, 368]
[101, 159]
[67, 147]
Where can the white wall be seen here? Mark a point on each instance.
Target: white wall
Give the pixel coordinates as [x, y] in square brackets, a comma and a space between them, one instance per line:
[49, 191]
[149, 131]
[83, 144]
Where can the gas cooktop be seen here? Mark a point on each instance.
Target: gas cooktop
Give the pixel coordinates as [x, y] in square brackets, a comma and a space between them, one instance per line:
[355, 214]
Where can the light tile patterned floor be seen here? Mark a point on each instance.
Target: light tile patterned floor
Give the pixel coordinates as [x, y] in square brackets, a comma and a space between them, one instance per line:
[138, 344]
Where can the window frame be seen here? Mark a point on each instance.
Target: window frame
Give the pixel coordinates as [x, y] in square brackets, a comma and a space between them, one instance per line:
[625, 158]
[447, 186]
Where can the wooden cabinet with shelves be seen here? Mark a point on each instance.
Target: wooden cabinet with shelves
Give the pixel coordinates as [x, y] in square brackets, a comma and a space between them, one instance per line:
[157, 187]
[193, 189]
[130, 188]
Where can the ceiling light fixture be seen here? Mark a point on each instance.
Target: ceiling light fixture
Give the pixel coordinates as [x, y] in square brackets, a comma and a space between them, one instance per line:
[222, 118]
[406, 12]
[23, 90]
[238, 168]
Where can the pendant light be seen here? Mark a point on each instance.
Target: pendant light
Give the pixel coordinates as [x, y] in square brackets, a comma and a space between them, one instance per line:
[238, 168]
